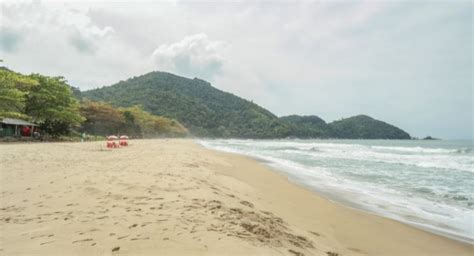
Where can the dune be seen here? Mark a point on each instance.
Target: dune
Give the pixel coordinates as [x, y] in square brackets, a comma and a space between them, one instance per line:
[174, 197]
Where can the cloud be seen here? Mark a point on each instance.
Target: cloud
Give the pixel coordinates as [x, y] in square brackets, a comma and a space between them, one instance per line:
[65, 27]
[329, 58]
[194, 56]
[62, 39]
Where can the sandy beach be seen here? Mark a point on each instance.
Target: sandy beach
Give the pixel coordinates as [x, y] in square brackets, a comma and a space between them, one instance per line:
[174, 197]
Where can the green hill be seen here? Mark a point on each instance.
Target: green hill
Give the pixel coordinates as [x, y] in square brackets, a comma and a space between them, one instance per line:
[307, 126]
[203, 109]
[209, 112]
[356, 127]
[365, 127]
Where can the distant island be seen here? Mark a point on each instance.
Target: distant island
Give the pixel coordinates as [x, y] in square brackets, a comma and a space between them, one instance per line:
[430, 138]
[209, 112]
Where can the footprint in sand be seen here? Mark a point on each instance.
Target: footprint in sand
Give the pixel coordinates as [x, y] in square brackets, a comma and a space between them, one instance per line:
[246, 203]
[48, 242]
[139, 238]
[83, 240]
[296, 253]
[39, 236]
[355, 250]
[315, 233]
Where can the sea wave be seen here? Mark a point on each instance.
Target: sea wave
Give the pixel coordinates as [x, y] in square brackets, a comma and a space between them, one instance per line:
[443, 161]
[424, 150]
[430, 187]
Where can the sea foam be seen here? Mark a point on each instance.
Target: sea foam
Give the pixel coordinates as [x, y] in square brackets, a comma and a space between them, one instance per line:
[424, 183]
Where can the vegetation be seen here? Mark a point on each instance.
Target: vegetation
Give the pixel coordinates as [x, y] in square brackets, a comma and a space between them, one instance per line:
[365, 127]
[356, 127]
[103, 119]
[307, 126]
[156, 104]
[52, 105]
[55, 106]
[13, 91]
[209, 112]
[203, 109]
[45, 100]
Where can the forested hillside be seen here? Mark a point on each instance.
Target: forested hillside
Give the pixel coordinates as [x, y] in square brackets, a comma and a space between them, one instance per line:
[307, 126]
[203, 109]
[209, 112]
[58, 109]
[365, 127]
[162, 104]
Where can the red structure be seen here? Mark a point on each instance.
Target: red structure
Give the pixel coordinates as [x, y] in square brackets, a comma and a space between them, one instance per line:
[123, 140]
[111, 142]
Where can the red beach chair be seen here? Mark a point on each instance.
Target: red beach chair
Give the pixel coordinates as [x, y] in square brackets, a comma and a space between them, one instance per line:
[123, 140]
[111, 141]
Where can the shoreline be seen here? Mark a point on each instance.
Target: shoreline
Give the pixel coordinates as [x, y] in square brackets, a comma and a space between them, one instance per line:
[339, 200]
[345, 202]
[176, 197]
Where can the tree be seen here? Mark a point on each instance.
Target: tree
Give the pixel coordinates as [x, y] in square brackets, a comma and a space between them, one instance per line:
[51, 104]
[147, 125]
[101, 118]
[13, 91]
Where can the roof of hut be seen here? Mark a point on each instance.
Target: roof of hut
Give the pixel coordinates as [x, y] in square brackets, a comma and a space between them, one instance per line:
[13, 121]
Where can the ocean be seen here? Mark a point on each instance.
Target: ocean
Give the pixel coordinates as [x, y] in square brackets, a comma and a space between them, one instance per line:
[428, 184]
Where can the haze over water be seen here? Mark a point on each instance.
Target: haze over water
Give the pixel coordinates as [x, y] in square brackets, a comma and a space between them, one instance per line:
[425, 183]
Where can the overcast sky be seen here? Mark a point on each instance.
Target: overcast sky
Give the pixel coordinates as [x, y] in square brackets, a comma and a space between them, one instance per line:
[409, 63]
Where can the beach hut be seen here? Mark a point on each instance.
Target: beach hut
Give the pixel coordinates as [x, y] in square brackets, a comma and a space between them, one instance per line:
[11, 127]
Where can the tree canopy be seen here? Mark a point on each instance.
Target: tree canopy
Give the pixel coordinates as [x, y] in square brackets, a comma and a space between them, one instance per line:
[14, 88]
[203, 109]
[53, 105]
[56, 106]
[158, 103]
[209, 112]
[104, 119]
[365, 127]
[307, 126]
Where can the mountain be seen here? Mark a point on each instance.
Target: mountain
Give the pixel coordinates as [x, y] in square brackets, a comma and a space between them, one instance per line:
[307, 126]
[209, 112]
[356, 127]
[203, 109]
[365, 127]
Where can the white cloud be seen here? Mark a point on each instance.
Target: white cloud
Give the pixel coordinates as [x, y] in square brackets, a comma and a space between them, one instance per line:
[194, 56]
[327, 58]
[62, 39]
[36, 18]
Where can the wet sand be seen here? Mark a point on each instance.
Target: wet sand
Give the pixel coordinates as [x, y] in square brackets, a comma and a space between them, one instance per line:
[173, 197]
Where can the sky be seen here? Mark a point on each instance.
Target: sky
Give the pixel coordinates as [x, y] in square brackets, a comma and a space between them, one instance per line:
[409, 63]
